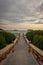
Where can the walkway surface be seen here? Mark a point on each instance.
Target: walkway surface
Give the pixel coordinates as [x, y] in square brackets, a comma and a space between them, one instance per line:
[20, 56]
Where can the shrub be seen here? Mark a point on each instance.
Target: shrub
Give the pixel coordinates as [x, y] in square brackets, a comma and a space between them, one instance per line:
[36, 37]
[9, 37]
[29, 35]
[38, 41]
[2, 42]
[6, 38]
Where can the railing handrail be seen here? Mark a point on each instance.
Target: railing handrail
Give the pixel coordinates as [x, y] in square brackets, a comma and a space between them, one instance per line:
[8, 48]
[35, 49]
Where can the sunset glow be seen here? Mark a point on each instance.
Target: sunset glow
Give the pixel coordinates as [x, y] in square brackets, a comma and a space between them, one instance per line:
[24, 25]
[21, 14]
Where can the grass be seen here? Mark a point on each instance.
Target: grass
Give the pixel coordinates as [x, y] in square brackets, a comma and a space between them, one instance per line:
[6, 38]
[36, 37]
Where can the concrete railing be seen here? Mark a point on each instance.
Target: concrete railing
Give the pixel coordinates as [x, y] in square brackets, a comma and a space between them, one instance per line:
[37, 53]
[8, 48]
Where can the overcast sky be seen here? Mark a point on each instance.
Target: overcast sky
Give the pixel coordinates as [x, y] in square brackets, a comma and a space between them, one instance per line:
[20, 11]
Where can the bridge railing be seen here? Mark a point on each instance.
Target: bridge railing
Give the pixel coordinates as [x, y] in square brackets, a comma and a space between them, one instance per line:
[37, 53]
[5, 51]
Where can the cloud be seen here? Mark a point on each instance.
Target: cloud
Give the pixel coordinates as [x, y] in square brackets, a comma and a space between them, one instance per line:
[20, 11]
[25, 25]
[40, 8]
[4, 22]
[17, 9]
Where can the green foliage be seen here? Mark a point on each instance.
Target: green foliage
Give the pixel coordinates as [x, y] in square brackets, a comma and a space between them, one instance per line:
[38, 41]
[2, 42]
[9, 37]
[36, 37]
[6, 38]
[29, 35]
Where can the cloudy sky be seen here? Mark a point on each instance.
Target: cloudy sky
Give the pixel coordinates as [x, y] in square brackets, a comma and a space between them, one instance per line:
[21, 14]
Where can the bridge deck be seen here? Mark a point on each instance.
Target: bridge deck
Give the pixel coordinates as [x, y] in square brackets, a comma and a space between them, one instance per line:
[20, 56]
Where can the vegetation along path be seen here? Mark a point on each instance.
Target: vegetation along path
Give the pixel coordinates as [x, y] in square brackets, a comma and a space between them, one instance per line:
[20, 56]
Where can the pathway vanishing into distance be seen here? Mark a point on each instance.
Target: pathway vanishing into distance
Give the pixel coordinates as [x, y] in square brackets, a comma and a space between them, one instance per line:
[20, 56]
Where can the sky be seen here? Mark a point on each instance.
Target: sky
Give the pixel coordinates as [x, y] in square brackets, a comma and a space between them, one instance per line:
[21, 14]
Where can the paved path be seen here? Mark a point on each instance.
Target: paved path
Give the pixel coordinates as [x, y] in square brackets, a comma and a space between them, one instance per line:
[21, 56]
